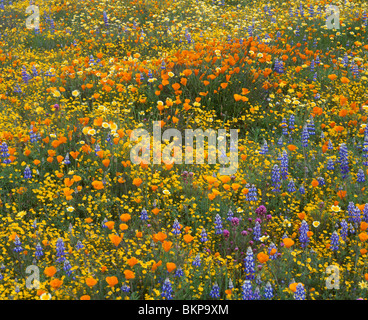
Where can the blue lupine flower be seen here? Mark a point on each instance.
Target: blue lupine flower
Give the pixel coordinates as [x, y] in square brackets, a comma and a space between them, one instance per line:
[305, 137]
[291, 186]
[300, 292]
[280, 142]
[25, 75]
[215, 292]
[276, 178]
[67, 267]
[268, 291]
[18, 245]
[365, 213]
[179, 272]
[66, 159]
[167, 290]
[284, 165]
[256, 294]
[311, 127]
[5, 153]
[144, 215]
[351, 228]
[252, 194]
[79, 245]
[125, 288]
[204, 236]
[176, 227]
[247, 292]
[197, 261]
[365, 148]
[356, 216]
[27, 173]
[302, 189]
[32, 135]
[257, 231]
[350, 208]
[264, 148]
[230, 215]
[39, 252]
[335, 241]
[105, 19]
[321, 181]
[284, 126]
[330, 145]
[360, 176]
[103, 225]
[249, 264]
[60, 250]
[330, 165]
[52, 26]
[292, 122]
[343, 160]
[303, 237]
[218, 224]
[272, 246]
[344, 229]
[17, 89]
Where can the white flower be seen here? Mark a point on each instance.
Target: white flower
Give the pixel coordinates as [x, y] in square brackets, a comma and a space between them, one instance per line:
[316, 224]
[56, 93]
[92, 132]
[263, 238]
[45, 296]
[75, 93]
[70, 209]
[335, 208]
[166, 192]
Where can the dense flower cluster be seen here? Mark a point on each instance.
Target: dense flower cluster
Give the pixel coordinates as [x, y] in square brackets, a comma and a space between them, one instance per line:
[100, 224]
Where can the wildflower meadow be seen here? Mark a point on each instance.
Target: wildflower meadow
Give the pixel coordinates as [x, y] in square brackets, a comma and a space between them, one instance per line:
[183, 150]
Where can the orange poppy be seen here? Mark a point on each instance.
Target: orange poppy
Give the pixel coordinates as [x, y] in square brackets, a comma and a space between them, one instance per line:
[288, 242]
[129, 274]
[262, 257]
[56, 283]
[91, 282]
[170, 266]
[50, 271]
[112, 281]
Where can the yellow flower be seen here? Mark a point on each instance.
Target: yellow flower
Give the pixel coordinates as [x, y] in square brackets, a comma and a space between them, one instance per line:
[316, 224]
[21, 214]
[92, 132]
[45, 296]
[75, 93]
[56, 93]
